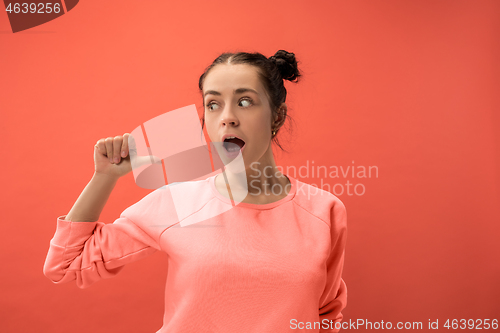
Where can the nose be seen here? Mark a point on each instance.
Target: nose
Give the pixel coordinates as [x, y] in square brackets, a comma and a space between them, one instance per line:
[228, 117]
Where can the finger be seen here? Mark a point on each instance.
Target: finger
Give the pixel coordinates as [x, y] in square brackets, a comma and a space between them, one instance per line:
[109, 148]
[125, 145]
[100, 145]
[147, 160]
[132, 148]
[117, 146]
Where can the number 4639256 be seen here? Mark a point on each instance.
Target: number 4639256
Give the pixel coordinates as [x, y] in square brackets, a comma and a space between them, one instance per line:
[471, 324]
[39, 8]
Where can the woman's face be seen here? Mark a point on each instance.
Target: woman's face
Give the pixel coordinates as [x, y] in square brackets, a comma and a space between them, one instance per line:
[246, 114]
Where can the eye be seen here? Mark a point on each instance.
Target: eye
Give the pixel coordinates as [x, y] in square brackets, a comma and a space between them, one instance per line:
[248, 100]
[209, 106]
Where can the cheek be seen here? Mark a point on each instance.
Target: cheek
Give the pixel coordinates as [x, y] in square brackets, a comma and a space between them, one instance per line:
[212, 132]
[265, 124]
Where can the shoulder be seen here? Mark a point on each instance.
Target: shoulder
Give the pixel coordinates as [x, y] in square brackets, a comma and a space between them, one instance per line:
[321, 203]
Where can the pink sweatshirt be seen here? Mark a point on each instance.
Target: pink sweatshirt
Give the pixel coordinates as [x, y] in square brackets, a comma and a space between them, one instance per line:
[248, 268]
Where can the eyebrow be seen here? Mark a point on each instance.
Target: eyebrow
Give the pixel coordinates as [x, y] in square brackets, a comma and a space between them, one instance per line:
[236, 91]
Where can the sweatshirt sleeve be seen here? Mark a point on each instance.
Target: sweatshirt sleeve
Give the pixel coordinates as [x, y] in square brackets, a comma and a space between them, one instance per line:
[334, 298]
[90, 251]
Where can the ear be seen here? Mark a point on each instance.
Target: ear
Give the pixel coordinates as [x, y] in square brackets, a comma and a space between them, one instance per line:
[279, 119]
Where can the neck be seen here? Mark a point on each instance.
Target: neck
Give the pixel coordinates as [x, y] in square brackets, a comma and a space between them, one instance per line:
[259, 177]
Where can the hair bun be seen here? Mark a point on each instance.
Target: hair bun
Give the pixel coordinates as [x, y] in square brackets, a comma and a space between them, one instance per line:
[287, 65]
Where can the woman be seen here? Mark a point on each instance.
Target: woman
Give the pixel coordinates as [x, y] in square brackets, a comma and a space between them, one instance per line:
[270, 263]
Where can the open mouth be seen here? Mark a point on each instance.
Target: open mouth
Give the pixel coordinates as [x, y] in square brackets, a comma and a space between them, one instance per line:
[233, 145]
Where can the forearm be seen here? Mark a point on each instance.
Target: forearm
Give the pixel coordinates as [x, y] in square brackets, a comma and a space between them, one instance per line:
[91, 202]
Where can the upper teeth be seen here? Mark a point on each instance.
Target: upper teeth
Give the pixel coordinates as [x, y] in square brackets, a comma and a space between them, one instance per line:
[230, 137]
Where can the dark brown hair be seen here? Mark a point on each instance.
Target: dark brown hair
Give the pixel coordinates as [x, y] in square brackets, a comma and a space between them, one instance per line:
[271, 71]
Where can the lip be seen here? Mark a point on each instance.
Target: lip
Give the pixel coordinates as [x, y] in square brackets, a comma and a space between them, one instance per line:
[236, 136]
